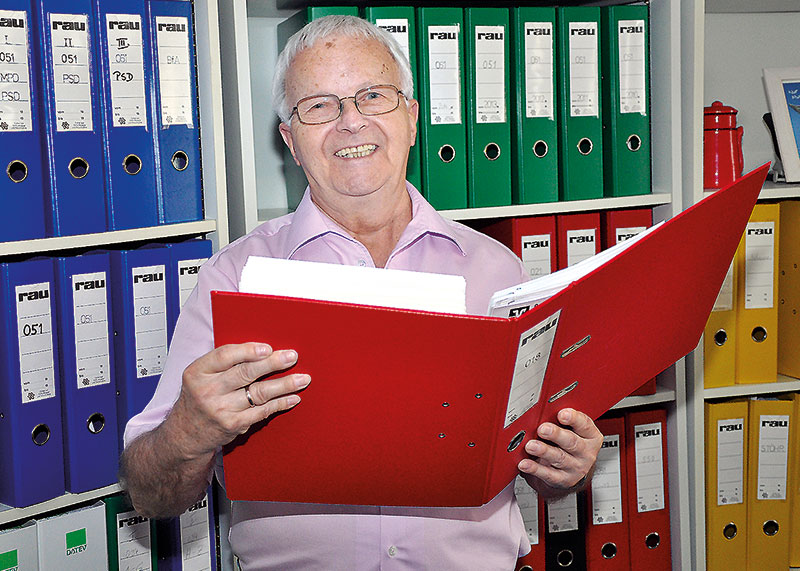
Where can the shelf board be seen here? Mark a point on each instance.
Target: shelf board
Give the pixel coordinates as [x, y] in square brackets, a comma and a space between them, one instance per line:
[43, 245]
[644, 200]
[663, 394]
[784, 384]
[773, 191]
[10, 515]
[743, 6]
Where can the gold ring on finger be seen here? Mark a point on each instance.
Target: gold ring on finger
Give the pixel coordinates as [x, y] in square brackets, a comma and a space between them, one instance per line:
[249, 396]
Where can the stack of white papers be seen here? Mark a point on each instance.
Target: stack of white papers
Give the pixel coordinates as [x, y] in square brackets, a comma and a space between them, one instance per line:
[527, 295]
[400, 289]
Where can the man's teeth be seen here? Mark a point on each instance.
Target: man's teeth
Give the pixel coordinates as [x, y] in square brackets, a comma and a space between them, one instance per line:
[354, 152]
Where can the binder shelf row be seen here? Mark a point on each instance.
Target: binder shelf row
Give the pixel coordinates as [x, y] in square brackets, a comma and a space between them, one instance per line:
[753, 333]
[109, 534]
[98, 117]
[522, 105]
[85, 339]
[622, 520]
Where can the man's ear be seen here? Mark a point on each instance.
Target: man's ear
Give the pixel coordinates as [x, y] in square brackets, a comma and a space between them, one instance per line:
[413, 111]
[286, 133]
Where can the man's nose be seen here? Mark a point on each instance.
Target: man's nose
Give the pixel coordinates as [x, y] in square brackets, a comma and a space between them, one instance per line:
[351, 118]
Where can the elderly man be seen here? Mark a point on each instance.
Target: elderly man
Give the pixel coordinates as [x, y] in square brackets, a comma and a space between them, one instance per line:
[344, 96]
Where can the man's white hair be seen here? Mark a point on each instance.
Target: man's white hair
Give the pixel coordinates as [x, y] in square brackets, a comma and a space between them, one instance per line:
[311, 33]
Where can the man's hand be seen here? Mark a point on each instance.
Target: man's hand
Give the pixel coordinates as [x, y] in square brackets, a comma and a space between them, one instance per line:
[223, 393]
[562, 463]
[221, 396]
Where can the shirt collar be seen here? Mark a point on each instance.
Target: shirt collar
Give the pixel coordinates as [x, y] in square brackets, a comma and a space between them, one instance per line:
[310, 223]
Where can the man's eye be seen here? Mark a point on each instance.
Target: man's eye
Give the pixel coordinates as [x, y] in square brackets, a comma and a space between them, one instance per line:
[372, 95]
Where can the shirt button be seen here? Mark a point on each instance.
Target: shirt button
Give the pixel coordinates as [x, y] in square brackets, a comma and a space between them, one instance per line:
[392, 551]
[362, 263]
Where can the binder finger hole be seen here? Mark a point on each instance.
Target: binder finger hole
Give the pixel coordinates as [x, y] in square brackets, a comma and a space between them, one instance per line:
[17, 171]
[516, 441]
[759, 334]
[652, 540]
[771, 527]
[526, 568]
[492, 151]
[720, 337]
[132, 164]
[540, 149]
[78, 167]
[609, 550]
[729, 531]
[40, 434]
[634, 143]
[96, 423]
[180, 160]
[447, 153]
[585, 146]
[565, 558]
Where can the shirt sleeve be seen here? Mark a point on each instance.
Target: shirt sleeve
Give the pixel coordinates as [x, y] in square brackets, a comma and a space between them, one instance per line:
[193, 337]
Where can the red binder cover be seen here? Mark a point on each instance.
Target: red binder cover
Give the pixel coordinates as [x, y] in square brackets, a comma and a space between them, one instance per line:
[578, 237]
[411, 408]
[648, 524]
[532, 238]
[607, 537]
[634, 220]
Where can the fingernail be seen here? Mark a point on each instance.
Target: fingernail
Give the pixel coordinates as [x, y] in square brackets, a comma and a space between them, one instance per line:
[565, 415]
[263, 349]
[289, 356]
[525, 465]
[545, 430]
[292, 400]
[301, 381]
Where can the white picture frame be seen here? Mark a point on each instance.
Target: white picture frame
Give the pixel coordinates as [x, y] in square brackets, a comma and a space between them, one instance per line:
[782, 86]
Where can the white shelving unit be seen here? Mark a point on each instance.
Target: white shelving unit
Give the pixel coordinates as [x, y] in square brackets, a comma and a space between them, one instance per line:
[726, 43]
[258, 189]
[215, 225]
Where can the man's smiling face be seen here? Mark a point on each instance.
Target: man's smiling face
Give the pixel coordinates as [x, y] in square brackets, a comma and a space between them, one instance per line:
[354, 155]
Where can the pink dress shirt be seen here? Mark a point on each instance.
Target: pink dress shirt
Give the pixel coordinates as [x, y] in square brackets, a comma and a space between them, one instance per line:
[271, 535]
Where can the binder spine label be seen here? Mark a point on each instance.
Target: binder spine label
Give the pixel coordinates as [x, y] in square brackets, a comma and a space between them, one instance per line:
[35, 341]
[724, 300]
[607, 483]
[584, 82]
[126, 69]
[528, 502]
[536, 255]
[133, 541]
[69, 37]
[90, 310]
[622, 234]
[150, 319]
[759, 246]
[187, 277]
[195, 541]
[174, 70]
[649, 467]
[539, 66]
[580, 245]
[632, 78]
[398, 28]
[773, 452]
[562, 514]
[490, 73]
[445, 75]
[533, 354]
[730, 461]
[15, 89]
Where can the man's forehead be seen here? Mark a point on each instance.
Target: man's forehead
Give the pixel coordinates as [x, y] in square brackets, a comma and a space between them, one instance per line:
[338, 54]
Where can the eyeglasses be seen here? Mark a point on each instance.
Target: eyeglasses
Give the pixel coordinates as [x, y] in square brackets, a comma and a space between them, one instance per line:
[373, 100]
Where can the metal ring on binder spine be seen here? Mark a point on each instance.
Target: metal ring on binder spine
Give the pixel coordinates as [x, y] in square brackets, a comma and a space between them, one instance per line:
[447, 153]
[730, 531]
[634, 143]
[132, 164]
[180, 160]
[565, 558]
[40, 434]
[492, 151]
[540, 148]
[78, 167]
[585, 146]
[17, 171]
[652, 540]
[96, 423]
[609, 550]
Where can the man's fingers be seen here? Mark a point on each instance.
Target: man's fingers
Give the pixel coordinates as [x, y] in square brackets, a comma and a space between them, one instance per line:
[256, 414]
[581, 423]
[262, 392]
[240, 364]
